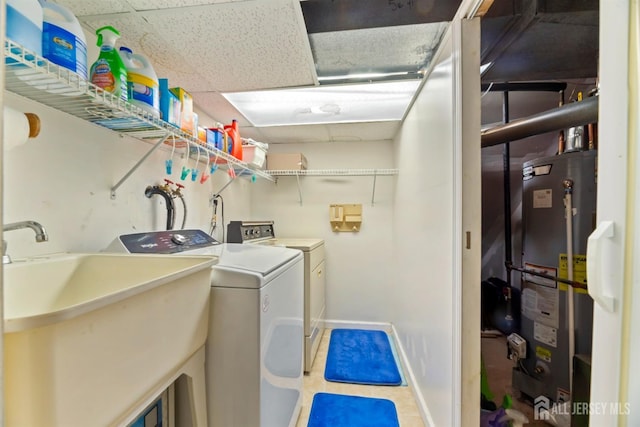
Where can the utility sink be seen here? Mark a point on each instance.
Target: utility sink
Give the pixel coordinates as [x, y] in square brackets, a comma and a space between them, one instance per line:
[87, 337]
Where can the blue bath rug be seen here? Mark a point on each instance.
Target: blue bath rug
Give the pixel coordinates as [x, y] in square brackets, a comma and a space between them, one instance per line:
[361, 357]
[338, 410]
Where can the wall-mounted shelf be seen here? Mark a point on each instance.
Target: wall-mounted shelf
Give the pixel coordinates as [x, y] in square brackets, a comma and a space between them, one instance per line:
[37, 79]
[335, 172]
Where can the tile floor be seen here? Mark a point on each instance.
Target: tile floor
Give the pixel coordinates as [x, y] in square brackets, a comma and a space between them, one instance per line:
[314, 382]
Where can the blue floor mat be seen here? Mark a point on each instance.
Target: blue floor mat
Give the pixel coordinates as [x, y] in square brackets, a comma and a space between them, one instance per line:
[337, 410]
[361, 357]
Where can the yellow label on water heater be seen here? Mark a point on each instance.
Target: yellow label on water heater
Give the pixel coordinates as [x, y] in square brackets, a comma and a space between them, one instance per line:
[543, 354]
[579, 271]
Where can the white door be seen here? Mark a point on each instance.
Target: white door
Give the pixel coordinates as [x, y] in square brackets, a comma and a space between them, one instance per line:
[610, 253]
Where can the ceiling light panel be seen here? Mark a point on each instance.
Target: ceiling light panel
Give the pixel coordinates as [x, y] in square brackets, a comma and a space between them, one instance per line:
[381, 50]
[369, 102]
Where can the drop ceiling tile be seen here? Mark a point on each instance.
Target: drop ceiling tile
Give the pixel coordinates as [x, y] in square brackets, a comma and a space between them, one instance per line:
[368, 131]
[167, 4]
[95, 7]
[388, 49]
[241, 45]
[295, 134]
[141, 37]
[217, 107]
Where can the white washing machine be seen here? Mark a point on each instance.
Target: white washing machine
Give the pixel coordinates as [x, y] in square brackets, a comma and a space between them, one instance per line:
[254, 350]
[262, 233]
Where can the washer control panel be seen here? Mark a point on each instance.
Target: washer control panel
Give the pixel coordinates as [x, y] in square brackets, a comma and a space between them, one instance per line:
[166, 242]
[244, 231]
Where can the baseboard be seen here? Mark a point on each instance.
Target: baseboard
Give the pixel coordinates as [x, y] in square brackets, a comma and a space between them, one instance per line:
[411, 379]
[352, 324]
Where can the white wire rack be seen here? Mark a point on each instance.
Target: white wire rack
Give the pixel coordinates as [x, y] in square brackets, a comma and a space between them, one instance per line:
[37, 79]
[335, 172]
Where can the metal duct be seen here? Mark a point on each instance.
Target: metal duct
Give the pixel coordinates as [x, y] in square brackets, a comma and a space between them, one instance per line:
[569, 115]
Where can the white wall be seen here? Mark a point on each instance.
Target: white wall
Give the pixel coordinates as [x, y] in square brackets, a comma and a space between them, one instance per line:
[437, 152]
[2, 24]
[359, 280]
[62, 179]
[423, 226]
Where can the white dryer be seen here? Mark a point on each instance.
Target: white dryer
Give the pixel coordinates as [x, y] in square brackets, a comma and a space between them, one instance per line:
[254, 350]
[262, 233]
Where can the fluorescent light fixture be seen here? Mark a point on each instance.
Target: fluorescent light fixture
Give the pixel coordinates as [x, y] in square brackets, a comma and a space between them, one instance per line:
[369, 102]
[363, 76]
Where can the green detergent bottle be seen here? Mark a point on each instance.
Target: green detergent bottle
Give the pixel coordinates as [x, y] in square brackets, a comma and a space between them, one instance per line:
[109, 72]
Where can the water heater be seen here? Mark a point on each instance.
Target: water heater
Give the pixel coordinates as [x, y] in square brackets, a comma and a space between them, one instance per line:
[544, 306]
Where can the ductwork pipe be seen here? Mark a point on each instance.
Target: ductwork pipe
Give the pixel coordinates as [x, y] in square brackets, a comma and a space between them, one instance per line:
[569, 115]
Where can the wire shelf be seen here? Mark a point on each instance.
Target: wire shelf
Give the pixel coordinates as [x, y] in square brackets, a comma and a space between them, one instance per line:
[334, 172]
[35, 78]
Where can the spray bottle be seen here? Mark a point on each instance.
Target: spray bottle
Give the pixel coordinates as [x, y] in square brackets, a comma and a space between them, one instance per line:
[109, 72]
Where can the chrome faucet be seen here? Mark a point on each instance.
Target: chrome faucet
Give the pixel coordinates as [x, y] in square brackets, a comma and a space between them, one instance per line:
[41, 235]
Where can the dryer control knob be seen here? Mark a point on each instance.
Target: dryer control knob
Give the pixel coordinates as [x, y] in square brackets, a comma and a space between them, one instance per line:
[178, 239]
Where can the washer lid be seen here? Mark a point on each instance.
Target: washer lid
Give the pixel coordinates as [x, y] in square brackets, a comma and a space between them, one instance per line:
[250, 258]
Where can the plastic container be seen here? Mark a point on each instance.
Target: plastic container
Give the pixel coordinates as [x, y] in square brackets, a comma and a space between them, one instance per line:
[254, 153]
[142, 82]
[24, 25]
[186, 109]
[235, 141]
[215, 138]
[170, 107]
[108, 72]
[63, 41]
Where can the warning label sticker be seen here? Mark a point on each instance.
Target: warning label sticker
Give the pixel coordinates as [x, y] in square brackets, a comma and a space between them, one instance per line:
[579, 271]
[543, 354]
[545, 334]
[540, 298]
[542, 198]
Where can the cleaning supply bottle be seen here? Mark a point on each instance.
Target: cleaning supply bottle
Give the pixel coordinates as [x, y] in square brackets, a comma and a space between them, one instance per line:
[24, 25]
[108, 72]
[63, 41]
[236, 142]
[142, 82]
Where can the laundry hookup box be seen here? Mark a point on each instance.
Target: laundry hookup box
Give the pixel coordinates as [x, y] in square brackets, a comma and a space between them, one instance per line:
[286, 161]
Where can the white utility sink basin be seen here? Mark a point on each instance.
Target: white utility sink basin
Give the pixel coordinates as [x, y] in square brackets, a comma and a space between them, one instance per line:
[87, 337]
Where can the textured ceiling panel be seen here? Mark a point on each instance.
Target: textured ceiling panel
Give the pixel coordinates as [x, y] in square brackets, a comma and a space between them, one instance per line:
[390, 49]
[166, 4]
[374, 131]
[141, 37]
[95, 7]
[296, 134]
[218, 107]
[241, 45]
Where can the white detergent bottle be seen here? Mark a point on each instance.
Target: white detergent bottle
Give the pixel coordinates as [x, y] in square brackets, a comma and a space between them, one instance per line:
[63, 41]
[142, 82]
[24, 26]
